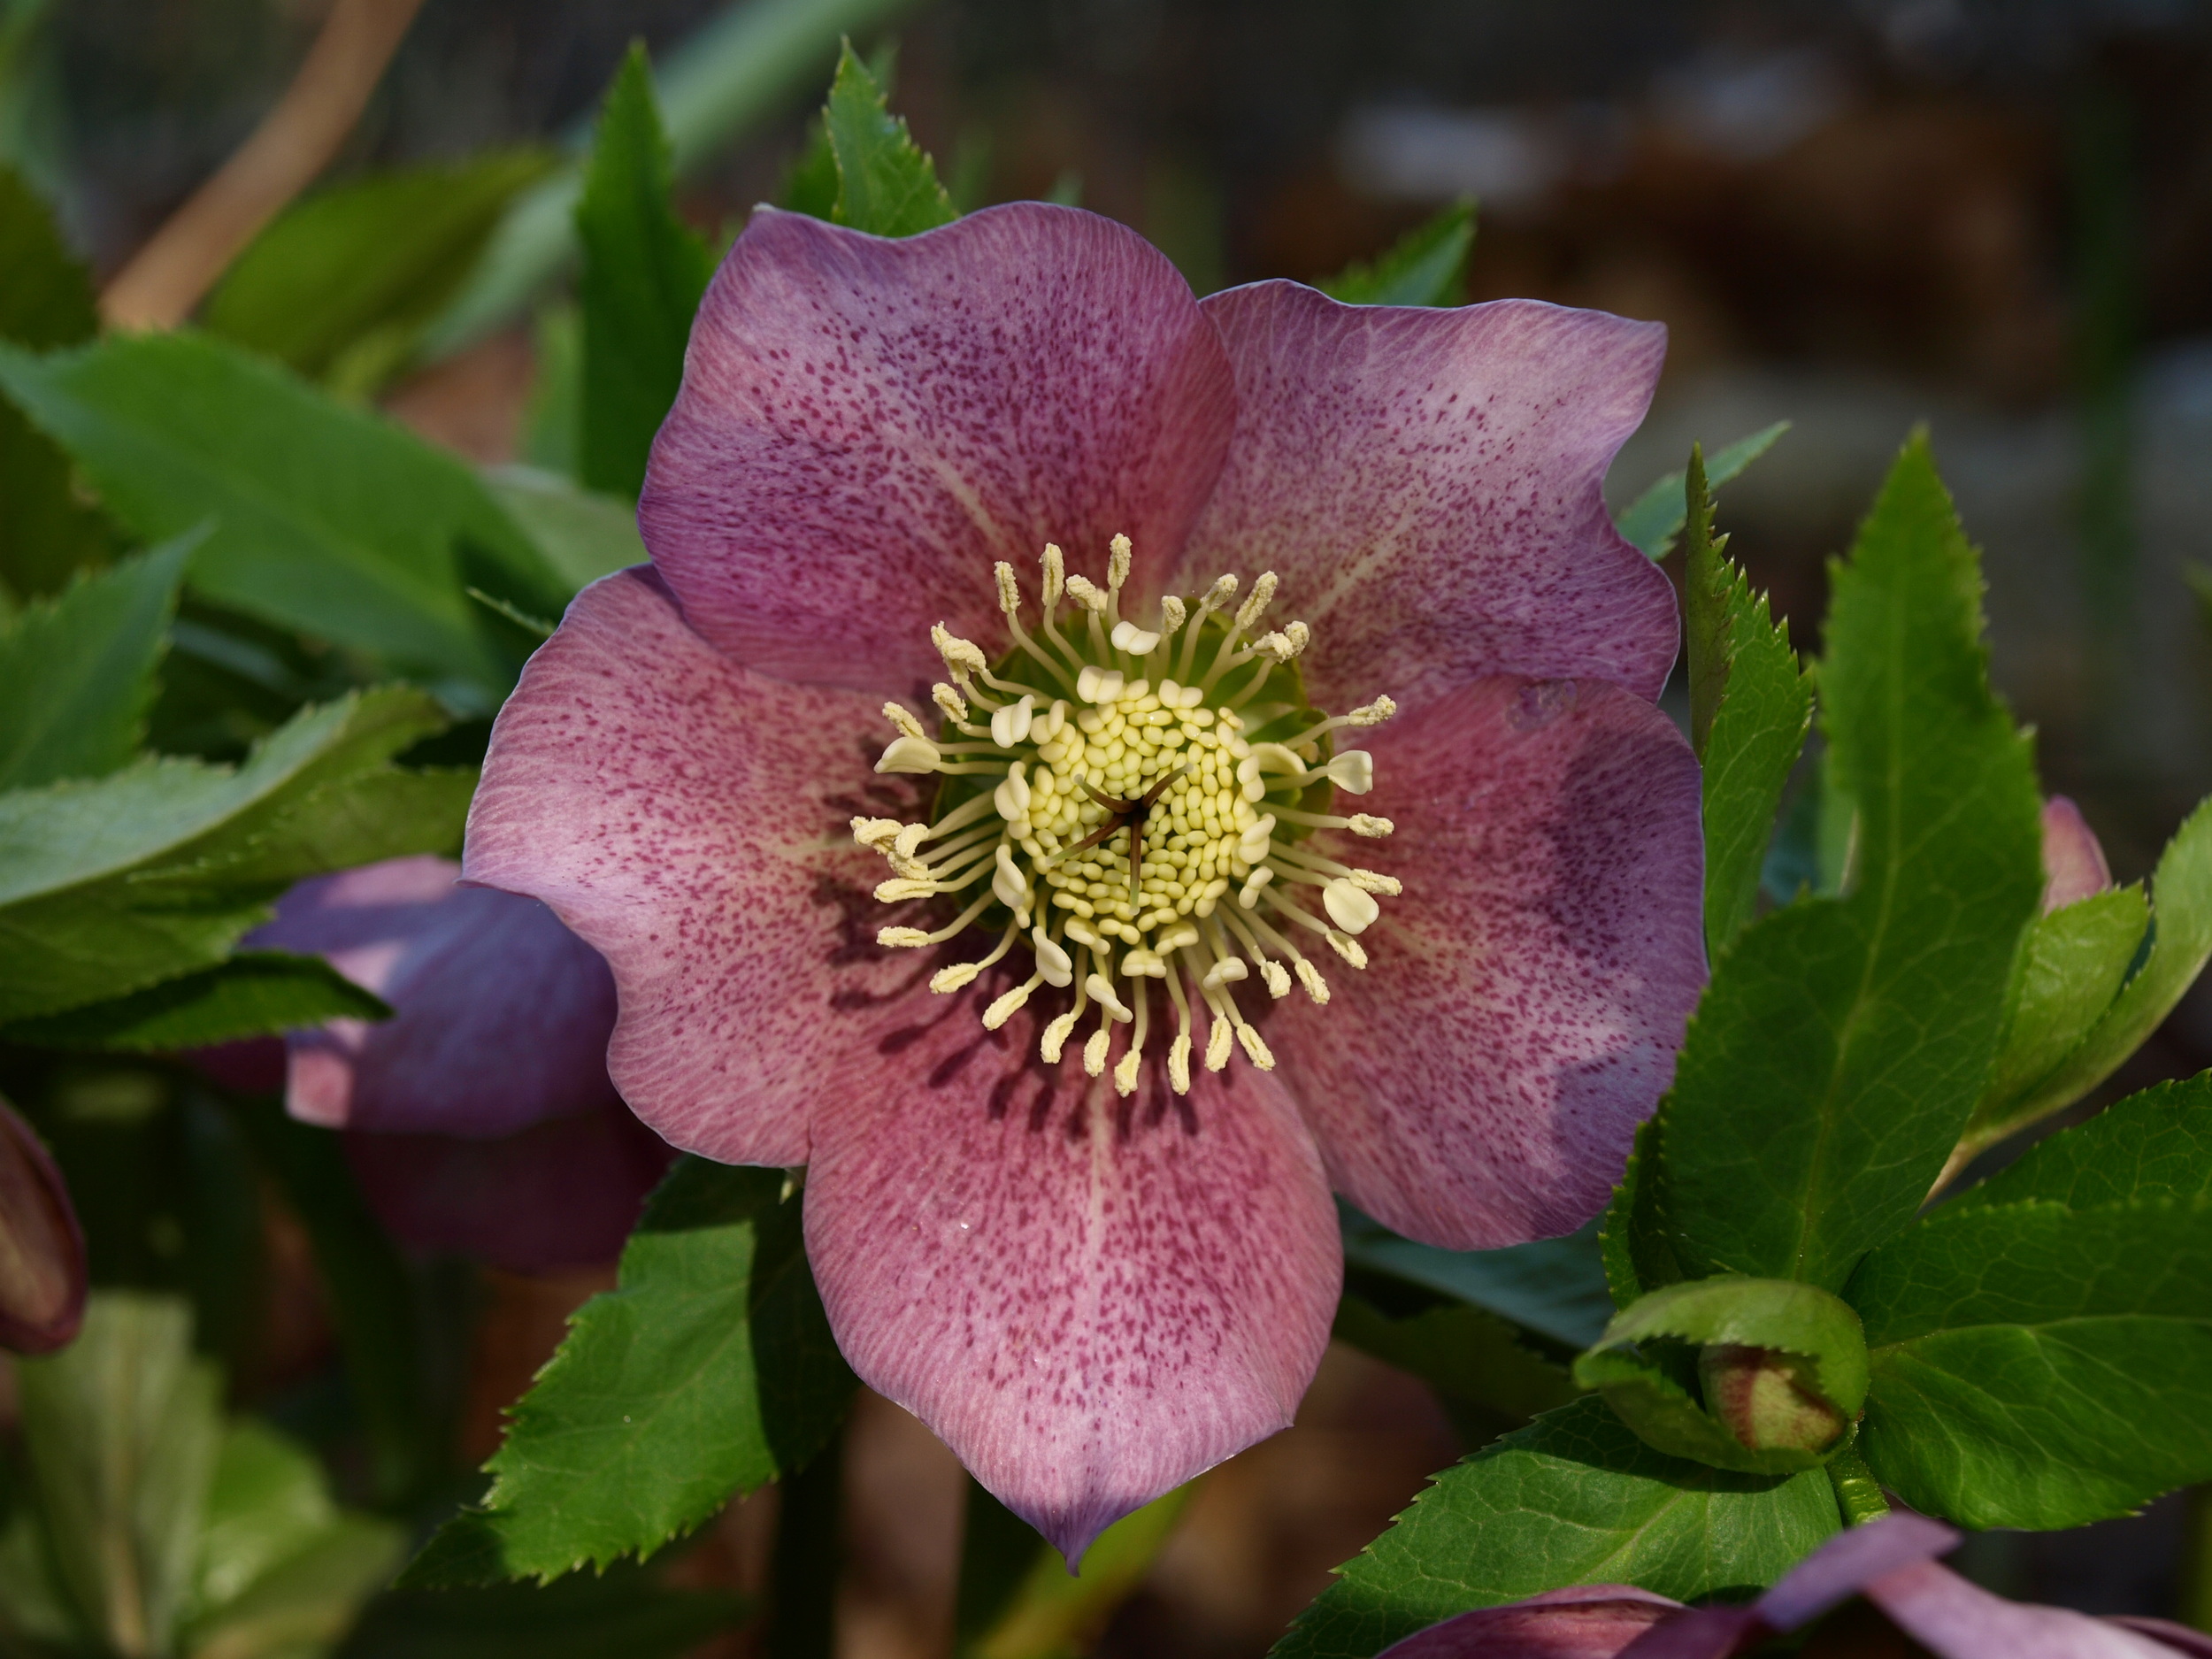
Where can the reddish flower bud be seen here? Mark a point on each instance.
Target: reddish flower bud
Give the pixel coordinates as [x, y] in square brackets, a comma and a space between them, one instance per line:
[41, 1248]
[2073, 860]
[1769, 1400]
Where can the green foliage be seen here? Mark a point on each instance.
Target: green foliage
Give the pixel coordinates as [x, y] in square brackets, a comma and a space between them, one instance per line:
[256, 994]
[341, 284]
[1575, 1498]
[1425, 266]
[618, 1612]
[1555, 1287]
[1750, 707]
[1482, 1374]
[77, 672]
[709, 1373]
[1018, 1600]
[2037, 1366]
[1843, 1041]
[2181, 944]
[156, 870]
[644, 271]
[123, 1428]
[887, 185]
[1652, 521]
[582, 535]
[46, 301]
[1631, 1366]
[326, 519]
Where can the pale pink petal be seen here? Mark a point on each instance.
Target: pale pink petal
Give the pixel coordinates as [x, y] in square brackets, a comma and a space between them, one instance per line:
[42, 1269]
[555, 1196]
[1480, 1083]
[501, 1014]
[2180, 1638]
[691, 821]
[2073, 860]
[1090, 1299]
[1591, 1621]
[1848, 1562]
[1958, 1620]
[1425, 483]
[866, 425]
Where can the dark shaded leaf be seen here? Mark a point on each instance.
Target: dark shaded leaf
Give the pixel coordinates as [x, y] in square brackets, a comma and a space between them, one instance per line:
[1654, 520]
[256, 994]
[620, 1612]
[1554, 1287]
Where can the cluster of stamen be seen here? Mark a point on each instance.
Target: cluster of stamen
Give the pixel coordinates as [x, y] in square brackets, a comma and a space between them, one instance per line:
[1139, 811]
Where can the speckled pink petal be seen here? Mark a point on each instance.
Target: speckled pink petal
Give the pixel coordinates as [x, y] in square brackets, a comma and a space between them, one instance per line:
[502, 1013]
[2073, 860]
[1958, 1620]
[1590, 1621]
[691, 821]
[866, 425]
[1426, 482]
[1089, 1299]
[556, 1197]
[1479, 1085]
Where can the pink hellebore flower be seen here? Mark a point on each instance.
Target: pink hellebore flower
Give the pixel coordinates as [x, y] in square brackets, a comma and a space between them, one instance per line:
[479, 1118]
[1068, 1182]
[1891, 1562]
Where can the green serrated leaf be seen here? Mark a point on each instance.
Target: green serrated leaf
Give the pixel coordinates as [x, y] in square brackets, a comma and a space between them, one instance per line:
[354, 273]
[644, 271]
[1654, 520]
[327, 520]
[1575, 1498]
[1553, 1287]
[709, 1373]
[2181, 944]
[887, 185]
[46, 300]
[122, 1427]
[1843, 1042]
[1479, 1370]
[1425, 266]
[77, 672]
[256, 994]
[157, 871]
[2038, 1365]
[2154, 1144]
[1750, 707]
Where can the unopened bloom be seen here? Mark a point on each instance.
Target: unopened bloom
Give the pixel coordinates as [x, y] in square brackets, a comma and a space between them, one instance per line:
[1891, 1562]
[480, 1118]
[43, 1271]
[2074, 865]
[1085, 772]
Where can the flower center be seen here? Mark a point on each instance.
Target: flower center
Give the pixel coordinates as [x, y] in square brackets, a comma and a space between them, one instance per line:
[1133, 804]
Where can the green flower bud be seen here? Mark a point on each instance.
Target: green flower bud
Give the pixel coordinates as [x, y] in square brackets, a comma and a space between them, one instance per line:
[1769, 1400]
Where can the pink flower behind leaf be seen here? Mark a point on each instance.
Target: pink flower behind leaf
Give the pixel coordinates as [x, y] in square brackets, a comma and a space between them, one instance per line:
[42, 1269]
[2074, 867]
[1289, 811]
[479, 1118]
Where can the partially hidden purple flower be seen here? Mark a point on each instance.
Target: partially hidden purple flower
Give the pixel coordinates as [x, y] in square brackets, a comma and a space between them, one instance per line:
[1149, 987]
[480, 1118]
[42, 1269]
[2074, 866]
[1891, 1562]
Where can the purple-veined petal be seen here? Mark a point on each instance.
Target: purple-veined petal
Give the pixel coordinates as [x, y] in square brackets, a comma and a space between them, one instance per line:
[1090, 1299]
[1426, 482]
[556, 1197]
[682, 815]
[2180, 1638]
[43, 1268]
[1480, 1083]
[865, 425]
[502, 1014]
[1959, 1620]
[2074, 867]
[1591, 1621]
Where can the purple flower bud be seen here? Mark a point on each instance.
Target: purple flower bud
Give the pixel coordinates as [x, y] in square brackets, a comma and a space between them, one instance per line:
[1769, 1400]
[41, 1248]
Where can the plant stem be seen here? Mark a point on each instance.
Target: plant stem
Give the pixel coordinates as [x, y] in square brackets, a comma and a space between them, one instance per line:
[1857, 1491]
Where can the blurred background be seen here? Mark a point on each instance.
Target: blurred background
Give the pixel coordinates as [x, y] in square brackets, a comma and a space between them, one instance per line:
[1990, 216]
